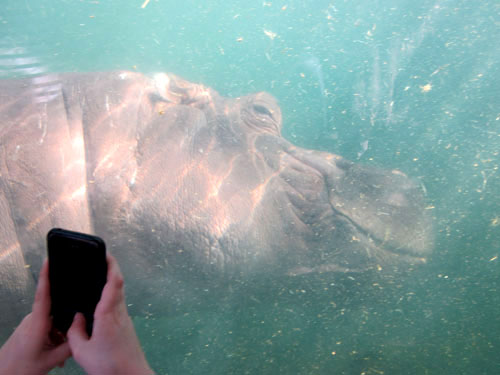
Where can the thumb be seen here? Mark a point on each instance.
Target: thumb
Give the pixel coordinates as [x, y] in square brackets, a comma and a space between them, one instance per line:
[77, 335]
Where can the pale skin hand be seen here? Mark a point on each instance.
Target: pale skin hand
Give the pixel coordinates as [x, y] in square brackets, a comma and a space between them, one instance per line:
[113, 347]
[30, 350]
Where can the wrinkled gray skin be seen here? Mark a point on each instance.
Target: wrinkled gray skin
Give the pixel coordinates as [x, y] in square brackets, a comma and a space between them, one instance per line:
[185, 186]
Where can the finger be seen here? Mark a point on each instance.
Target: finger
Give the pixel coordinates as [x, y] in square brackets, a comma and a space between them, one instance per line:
[113, 267]
[77, 335]
[41, 305]
[112, 294]
[59, 355]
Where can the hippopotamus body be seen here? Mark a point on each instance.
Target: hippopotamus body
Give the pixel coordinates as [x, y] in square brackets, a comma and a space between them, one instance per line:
[184, 184]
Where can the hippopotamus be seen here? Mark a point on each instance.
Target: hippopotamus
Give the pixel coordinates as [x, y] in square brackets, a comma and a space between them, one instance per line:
[186, 186]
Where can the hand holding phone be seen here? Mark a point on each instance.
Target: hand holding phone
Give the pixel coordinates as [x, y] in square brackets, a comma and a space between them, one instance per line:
[77, 275]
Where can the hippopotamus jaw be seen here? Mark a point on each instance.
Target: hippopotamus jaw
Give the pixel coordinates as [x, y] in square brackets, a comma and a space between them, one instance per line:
[352, 217]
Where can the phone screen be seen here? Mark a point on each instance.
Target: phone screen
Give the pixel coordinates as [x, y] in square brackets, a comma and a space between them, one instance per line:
[77, 274]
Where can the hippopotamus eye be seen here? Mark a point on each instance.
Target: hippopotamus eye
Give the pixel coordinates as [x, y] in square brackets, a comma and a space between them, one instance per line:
[262, 110]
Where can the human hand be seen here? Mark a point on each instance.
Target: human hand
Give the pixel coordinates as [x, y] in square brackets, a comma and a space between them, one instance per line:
[113, 347]
[30, 349]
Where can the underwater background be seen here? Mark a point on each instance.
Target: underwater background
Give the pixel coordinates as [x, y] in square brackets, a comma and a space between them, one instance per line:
[399, 84]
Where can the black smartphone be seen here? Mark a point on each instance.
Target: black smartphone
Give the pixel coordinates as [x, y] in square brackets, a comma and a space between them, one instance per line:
[77, 274]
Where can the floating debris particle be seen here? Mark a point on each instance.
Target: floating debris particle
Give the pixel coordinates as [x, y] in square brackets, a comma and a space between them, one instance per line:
[270, 34]
[495, 221]
[426, 88]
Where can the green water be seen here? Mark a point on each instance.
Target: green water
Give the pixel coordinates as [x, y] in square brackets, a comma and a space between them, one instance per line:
[407, 85]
